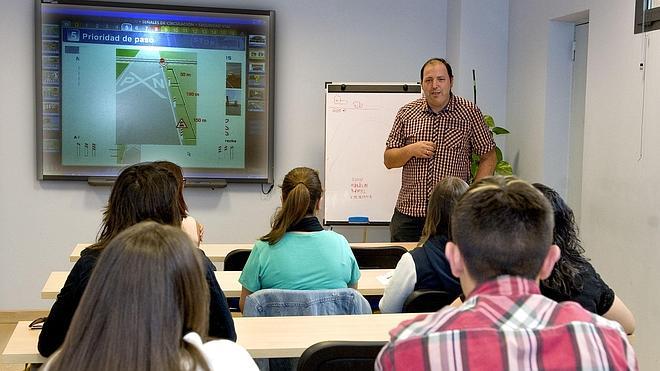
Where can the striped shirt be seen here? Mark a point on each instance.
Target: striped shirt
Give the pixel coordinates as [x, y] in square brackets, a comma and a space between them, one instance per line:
[506, 324]
[458, 131]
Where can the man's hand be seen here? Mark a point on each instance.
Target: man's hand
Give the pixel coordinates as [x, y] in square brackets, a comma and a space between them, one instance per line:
[397, 157]
[422, 149]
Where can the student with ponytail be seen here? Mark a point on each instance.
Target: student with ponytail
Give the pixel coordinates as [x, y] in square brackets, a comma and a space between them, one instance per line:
[297, 254]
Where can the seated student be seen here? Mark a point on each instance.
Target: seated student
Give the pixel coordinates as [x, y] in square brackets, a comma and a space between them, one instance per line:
[573, 277]
[146, 308]
[297, 254]
[141, 192]
[426, 267]
[501, 247]
[189, 225]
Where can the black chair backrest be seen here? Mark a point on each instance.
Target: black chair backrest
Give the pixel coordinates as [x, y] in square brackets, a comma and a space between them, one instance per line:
[421, 301]
[340, 356]
[385, 257]
[236, 259]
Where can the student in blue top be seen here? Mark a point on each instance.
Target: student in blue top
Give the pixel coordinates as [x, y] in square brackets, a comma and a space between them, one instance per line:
[297, 254]
[426, 267]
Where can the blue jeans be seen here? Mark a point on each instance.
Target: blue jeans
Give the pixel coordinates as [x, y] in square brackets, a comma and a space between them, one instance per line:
[276, 302]
[405, 228]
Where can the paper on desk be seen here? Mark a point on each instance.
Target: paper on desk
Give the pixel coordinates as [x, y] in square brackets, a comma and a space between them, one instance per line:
[385, 278]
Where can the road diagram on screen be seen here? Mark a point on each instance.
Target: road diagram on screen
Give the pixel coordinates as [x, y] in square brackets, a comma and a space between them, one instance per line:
[165, 85]
[136, 104]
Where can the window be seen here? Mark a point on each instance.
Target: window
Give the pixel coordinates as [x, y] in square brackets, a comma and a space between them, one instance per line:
[647, 15]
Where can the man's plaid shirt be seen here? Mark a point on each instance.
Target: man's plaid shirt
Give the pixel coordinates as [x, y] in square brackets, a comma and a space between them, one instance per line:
[457, 131]
[506, 324]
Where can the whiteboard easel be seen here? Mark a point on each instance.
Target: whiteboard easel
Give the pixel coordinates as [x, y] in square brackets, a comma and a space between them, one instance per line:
[358, 188]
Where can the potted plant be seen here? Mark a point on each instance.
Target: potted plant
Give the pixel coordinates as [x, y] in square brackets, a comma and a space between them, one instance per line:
[501, 167]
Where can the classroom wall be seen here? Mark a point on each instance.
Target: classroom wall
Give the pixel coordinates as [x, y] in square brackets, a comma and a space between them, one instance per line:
[317, 41]
[620, 221]
[478, 40]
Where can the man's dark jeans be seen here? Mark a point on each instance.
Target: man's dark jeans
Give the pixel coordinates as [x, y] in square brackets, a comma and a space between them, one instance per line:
[405, 228]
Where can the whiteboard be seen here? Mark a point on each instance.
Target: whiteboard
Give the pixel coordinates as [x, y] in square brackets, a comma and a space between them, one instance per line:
[358, 120]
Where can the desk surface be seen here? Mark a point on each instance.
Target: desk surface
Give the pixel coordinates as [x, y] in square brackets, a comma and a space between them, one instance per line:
[367, 285]
[263, 337]
[217, 251]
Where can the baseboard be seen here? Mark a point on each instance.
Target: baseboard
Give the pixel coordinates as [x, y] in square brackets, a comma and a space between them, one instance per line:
[21, 315]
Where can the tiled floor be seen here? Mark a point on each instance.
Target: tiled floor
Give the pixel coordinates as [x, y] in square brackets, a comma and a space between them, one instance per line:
[5, 332]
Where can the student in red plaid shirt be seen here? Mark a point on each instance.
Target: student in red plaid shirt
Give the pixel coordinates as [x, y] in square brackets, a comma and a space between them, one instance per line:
[502, 247]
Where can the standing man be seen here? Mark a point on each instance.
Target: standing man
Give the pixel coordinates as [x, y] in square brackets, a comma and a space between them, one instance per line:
[501, 247]
[432, 138]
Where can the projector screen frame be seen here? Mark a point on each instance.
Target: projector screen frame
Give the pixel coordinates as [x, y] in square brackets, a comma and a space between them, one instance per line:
[195, 176]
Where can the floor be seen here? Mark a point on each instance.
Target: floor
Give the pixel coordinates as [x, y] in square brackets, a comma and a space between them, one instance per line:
[5, 332]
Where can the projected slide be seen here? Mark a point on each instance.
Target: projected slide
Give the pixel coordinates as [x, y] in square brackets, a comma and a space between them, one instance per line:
[141, 78]
[159, 82]
[128, 97]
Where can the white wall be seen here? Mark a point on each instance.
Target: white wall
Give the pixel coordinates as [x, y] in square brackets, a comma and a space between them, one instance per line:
[620, 221]
[478, 40]
[317, 41]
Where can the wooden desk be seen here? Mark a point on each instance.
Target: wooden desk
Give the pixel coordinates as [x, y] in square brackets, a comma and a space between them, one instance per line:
[217, 251]
[274, 337]
[367, 285]
[263, 337]
[22, 346]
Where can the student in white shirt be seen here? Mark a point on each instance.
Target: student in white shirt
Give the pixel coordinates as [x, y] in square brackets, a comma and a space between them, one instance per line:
[426, 267]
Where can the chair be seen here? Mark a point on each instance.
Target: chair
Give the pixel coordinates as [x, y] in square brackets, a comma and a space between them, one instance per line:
[236, 259]
[380, 257]
[421, 301]
[340, 355]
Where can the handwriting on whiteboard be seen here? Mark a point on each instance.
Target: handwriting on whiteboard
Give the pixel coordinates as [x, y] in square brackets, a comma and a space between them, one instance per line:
[360, 189]
[341, 104]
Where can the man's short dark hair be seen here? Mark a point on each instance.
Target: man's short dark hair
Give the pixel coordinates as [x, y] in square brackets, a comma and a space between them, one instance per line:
[435, 60]
[502, 225]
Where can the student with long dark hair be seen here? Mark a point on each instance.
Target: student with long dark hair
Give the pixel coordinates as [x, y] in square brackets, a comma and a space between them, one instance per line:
[146, 308]
[192, 227]
[426, 267]
[297, 254]
[573, 277]
[141, 192]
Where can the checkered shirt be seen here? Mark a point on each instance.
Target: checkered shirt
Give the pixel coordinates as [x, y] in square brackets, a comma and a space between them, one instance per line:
[457, 131]
[506, 324]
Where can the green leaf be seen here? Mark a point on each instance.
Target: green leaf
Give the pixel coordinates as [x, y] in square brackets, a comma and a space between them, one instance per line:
[498, 130]
[474, 165]
[503, 168]
[489, 121]
[498, 152]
